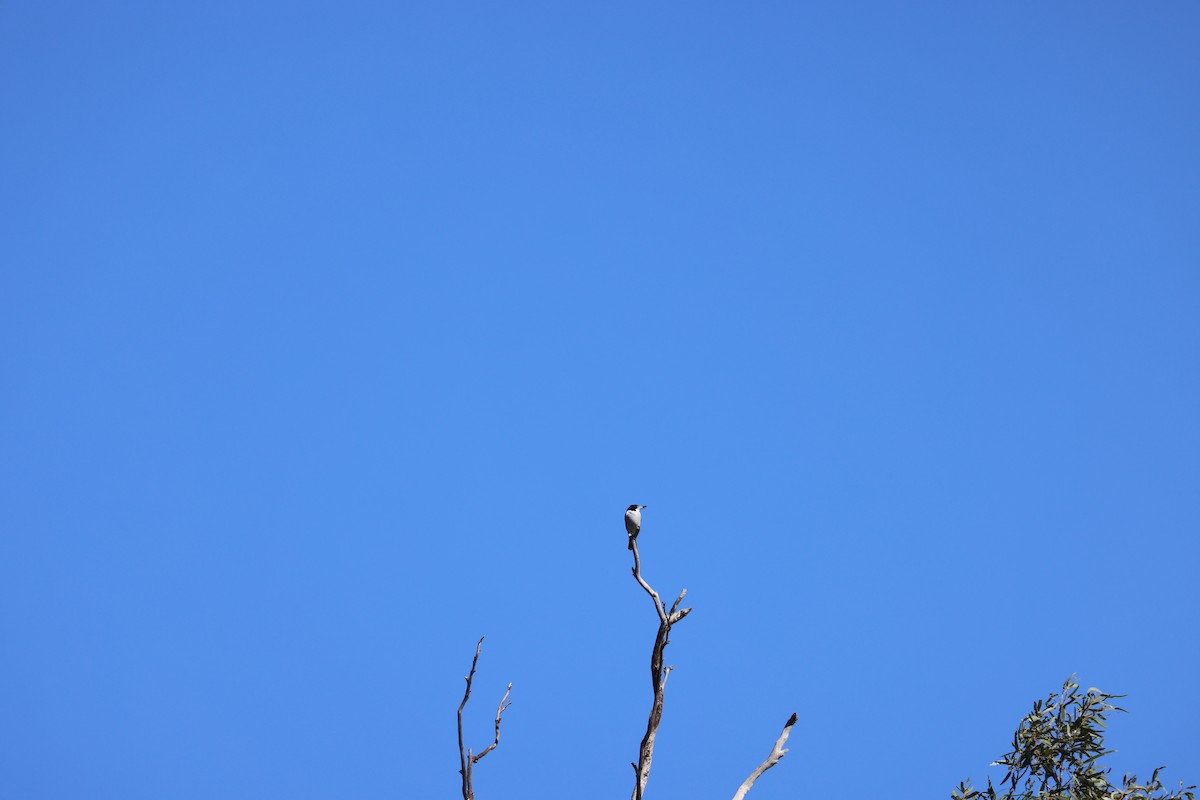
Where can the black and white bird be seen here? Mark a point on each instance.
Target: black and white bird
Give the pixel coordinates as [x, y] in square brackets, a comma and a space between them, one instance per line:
[633, 522]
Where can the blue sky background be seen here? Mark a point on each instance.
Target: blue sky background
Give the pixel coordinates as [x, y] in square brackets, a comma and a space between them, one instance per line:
[335, 336]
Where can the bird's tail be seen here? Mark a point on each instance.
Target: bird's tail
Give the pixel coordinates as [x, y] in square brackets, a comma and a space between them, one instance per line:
[631, 538]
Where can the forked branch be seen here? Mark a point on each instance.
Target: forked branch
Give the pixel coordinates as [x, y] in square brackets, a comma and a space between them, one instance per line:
[467, 760]
[658, 674]
[777, 752]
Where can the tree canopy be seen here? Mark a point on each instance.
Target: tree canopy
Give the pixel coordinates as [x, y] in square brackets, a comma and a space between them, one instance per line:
[1056, 754]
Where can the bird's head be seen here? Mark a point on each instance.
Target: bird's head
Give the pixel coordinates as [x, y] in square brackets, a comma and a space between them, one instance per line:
[636, 507]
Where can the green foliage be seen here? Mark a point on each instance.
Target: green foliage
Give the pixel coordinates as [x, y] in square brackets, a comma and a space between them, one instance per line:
[1056, 755]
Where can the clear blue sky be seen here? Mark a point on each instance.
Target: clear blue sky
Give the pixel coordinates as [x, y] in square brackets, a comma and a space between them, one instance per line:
[337, 335]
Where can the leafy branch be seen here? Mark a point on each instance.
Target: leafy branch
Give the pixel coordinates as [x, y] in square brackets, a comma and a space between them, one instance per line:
[1056, 754]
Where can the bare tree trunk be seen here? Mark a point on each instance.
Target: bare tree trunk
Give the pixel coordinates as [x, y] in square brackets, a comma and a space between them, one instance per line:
[466, 759]
[777, 752]
[658, 675]
[658, 684]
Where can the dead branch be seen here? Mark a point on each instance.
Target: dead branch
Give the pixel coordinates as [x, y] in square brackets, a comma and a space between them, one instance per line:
[658, 675]
[467, 761]
[777, 753]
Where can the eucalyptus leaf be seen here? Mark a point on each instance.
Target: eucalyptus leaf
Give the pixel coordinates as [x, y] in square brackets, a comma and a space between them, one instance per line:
[1056, 748]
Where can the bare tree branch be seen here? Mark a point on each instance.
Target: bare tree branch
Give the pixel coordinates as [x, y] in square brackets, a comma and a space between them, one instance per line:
[637, 573]
[675, 605]
[658, 675]
[466, 760]
[464, 755]
[499, 710]
[777, 753]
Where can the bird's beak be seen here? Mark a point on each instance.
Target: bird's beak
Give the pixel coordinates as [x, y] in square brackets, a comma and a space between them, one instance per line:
[645, 506]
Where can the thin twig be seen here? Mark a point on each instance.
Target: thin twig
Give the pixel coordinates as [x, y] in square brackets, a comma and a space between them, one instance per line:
[466, 760]
[637, 573]
[678, 600]
[499, 710]
[777, 752]
[658, 675]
